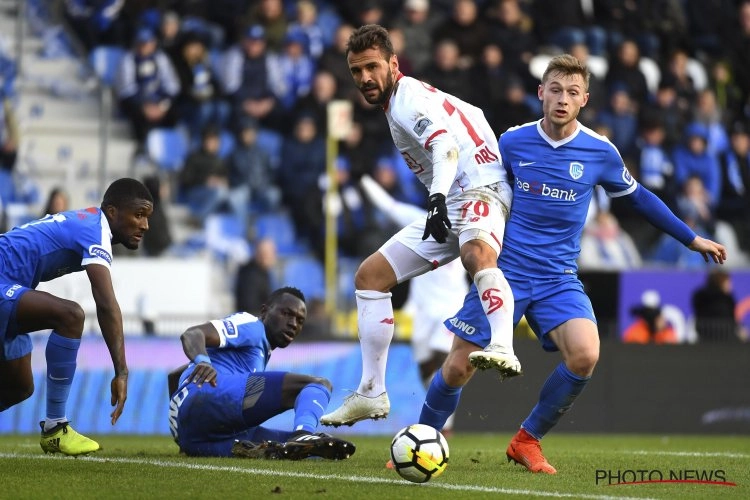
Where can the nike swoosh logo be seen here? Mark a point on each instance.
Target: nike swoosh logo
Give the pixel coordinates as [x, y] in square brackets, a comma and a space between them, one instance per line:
[525, 163]
[57, 378]
[320, 405]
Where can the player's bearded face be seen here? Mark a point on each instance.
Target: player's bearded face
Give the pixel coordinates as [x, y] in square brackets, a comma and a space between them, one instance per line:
[373, 75]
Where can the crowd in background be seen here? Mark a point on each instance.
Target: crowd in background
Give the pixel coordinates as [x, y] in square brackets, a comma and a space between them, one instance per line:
[249, 81]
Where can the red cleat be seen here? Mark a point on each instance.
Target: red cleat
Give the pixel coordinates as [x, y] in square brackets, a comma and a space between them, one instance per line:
[389, 465]
[524, 449]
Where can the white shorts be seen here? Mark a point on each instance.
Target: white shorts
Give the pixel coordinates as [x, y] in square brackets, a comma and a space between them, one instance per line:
[476, 214]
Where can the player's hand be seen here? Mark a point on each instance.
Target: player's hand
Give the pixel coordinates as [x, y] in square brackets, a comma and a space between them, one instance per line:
[707, 248]
[119, 388]
[203, 373]
[438, 222]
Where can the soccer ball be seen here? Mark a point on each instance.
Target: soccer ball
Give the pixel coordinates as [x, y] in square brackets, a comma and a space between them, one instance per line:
[419, 453]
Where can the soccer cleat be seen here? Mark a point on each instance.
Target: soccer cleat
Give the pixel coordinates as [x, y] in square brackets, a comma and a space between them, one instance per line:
[305, 445]
[389, 465]
[500, 358]
[524, 449]
[270, 450]
[357, 407]
[63, 439]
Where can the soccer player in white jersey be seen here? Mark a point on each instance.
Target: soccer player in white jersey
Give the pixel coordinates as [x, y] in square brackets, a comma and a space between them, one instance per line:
[556, 163]
[451, 148]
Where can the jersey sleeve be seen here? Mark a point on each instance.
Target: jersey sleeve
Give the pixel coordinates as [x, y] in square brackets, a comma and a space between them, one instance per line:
[239, 330]
[94, 238]
[615, 177]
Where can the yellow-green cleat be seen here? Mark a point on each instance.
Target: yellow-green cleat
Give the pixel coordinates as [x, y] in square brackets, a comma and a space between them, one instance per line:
[62, 438]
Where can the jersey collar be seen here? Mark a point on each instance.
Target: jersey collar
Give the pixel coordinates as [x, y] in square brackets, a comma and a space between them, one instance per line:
[387, 104]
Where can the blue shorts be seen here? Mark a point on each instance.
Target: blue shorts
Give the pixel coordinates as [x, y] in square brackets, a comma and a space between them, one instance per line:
[546, 304]
[205, 421]
[15, 344]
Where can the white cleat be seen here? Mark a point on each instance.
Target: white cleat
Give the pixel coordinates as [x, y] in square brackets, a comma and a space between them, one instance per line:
[496, 357]
[357, 407]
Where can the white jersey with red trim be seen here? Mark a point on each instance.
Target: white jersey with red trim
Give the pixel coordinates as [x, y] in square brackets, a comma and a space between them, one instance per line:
[424, 120]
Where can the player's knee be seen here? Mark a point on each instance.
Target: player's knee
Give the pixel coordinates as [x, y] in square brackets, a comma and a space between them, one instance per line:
[583, 362]
[14, 395]
[322, 381]
[456, 372]
[70, 322]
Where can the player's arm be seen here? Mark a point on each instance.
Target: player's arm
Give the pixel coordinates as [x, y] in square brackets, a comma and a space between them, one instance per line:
[173, 379]
[194, 342]
[657, 213]
[110, 321]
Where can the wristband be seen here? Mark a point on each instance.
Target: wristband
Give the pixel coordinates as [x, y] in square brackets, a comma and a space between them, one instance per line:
[202, 358]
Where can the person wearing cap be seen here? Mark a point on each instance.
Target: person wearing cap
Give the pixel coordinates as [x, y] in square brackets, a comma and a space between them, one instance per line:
[692, 158]
[146, 85]
[650, 325]
[245, 79]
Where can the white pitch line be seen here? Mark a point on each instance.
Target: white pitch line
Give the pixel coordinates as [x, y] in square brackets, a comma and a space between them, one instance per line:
[337, 477]
[719, 454]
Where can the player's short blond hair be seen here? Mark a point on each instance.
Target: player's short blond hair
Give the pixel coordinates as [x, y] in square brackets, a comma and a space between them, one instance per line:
[567, 65]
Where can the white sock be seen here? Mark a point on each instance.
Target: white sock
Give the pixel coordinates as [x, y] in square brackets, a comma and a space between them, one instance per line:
[497, 302]
[375, 324]
[49, 423]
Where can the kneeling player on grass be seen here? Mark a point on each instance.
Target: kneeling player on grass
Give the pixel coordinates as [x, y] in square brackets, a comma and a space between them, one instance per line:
[221, 398]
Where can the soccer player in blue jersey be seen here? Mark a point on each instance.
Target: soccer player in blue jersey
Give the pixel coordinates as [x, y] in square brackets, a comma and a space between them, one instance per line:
[554, 164]
[220, 400]
[43, 250]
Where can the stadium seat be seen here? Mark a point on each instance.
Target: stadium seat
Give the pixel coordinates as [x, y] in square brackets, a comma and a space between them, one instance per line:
[167, 148]
[651, 71]
[105, 60]
[227, 143]
[305, 273]
[697, 73]
[226, 238]
[270, 141]
[279, 227]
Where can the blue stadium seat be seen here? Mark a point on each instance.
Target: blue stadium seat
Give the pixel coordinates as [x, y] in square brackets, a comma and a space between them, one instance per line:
[167, 148]
[226, 237]
[271, 141]
[279, 227]
[105, 60]
[227, 143]
[307, 274]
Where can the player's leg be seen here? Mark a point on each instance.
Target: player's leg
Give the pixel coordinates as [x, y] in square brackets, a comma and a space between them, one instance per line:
[38, 311]
[15, 351]
[402, 257]
[480, 216]
[18, 381]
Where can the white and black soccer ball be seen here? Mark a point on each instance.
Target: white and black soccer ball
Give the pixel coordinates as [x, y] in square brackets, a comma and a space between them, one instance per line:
[419, 453]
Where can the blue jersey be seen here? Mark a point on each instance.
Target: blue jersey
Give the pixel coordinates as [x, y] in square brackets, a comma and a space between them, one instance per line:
[243, 346]
[553, 182]
[55, 245]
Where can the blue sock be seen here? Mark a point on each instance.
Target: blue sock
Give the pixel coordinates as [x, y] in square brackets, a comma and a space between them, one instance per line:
[440, 403]
[61, 356]
[556, 397]
[311, 402]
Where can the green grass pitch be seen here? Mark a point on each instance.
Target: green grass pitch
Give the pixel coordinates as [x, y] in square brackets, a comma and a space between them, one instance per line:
[146, 467]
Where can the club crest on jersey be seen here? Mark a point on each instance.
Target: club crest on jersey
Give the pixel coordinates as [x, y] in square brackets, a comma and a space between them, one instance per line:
[422, 125]
[576, 170]
[626, 176]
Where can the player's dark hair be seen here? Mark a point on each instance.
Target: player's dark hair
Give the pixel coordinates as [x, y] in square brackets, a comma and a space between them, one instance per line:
[125, 191]
[276, 294]
[567, 65]
[370, 36]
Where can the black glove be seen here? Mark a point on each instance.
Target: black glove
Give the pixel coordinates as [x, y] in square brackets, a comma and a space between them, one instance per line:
[438, 222]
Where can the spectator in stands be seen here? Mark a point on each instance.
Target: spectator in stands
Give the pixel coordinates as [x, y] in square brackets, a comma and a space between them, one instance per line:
[724, 85]
[306, 21]
[670, 111]
[737, 47]
[605, 246]
[707, 112]
[57, 201]
[10, 136]
[654, 162]
[333, 60]
[291, 70]
[169, 34]
[204, 179]
[316, 102]
[694, 203]
[417, 21]
[513, 109]
[467, 29]
[620, 116]
[251, 174]
[399, 48]
[489, 78]
[562, 23]
[650, 325]
[159, 236]
[303, 161]
[147, 85]
[708, 21]
[254, 280]
[246, 80]
[270, 15]
[597, 88]
[513, 30]
[714, 310]
[446, 72]
[693, 158]
[8, 73]
[677, 67]
[199, 102]
[96, 22]
[624, 69]
[734, 203]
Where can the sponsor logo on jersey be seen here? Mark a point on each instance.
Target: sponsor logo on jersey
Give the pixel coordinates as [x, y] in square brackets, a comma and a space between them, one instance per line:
[576, 170]
[229, 326]
[462, 325]
[422, 125]
[546, 191]
[626, 176]
[101, 252]
[12, 290]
